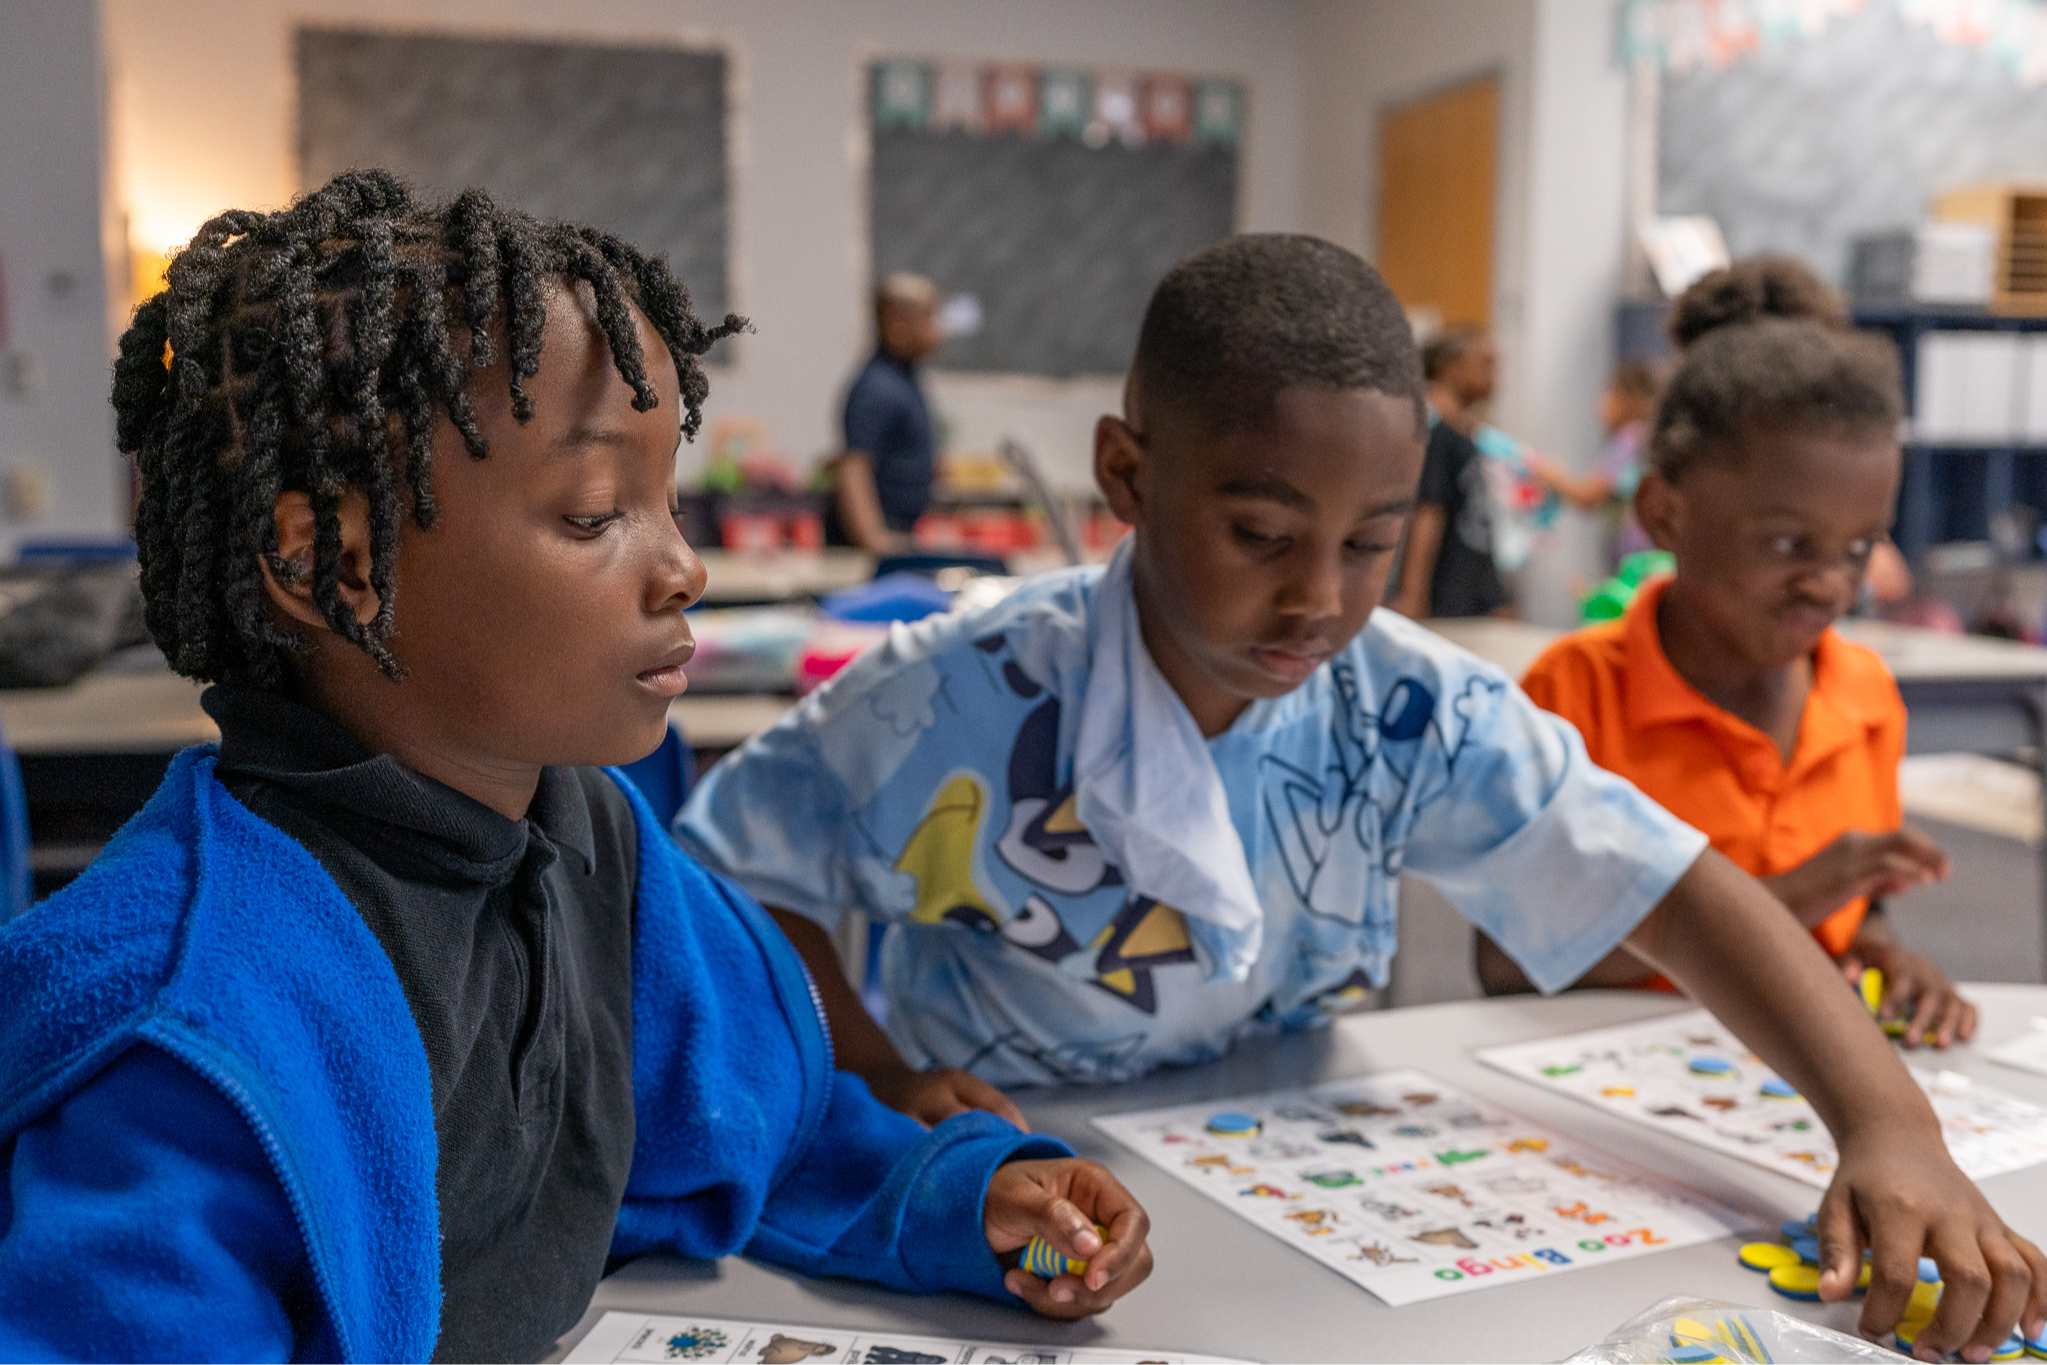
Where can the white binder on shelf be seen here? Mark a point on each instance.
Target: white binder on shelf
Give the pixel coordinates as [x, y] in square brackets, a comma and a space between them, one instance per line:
[1972, 388]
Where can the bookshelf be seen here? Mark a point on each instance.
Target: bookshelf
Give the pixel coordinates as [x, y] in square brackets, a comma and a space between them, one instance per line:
[1955, 484]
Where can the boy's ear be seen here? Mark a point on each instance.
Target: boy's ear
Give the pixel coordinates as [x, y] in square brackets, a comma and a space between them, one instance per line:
[290, 580]
[1659, 506]
[1120, 467]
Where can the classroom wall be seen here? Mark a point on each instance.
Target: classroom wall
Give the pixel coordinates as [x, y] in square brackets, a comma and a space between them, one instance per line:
[1576, 247]
[1359, 56]
[1558, 242]
[56, 429]
[205, 108]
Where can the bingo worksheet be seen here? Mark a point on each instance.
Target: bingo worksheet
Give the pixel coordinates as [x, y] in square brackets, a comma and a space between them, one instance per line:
[716, 1341]
[1414, 1189]
[1686, 1075]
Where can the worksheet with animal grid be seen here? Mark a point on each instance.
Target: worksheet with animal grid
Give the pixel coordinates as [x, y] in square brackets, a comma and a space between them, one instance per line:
[644, 1337]
[1416, 1190]
[1686, 1075]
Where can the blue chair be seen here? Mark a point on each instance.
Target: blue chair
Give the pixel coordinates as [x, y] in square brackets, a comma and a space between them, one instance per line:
[665, 776]
[17, 886]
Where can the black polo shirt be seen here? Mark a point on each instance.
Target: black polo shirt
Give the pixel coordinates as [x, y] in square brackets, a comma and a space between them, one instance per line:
[512, 940]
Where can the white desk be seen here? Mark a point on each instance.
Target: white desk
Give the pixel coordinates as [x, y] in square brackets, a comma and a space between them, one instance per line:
[731, 579]
[1222, 1286]
[158, 712]
[107, 713]
[1510, 645]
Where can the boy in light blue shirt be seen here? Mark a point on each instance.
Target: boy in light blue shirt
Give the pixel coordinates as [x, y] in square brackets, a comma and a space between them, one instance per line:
[946, 790]
[1130, 814]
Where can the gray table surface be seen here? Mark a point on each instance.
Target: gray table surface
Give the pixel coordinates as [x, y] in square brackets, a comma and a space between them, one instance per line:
[1912, 654]
[1223, 1287]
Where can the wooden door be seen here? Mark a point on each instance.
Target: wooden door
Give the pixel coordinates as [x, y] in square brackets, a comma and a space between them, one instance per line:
[1437, 157]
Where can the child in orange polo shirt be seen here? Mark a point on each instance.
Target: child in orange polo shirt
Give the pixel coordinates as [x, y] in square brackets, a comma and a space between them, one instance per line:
[1724, 693]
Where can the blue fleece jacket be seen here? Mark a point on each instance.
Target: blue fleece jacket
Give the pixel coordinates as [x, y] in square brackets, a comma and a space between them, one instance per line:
[202, 1023]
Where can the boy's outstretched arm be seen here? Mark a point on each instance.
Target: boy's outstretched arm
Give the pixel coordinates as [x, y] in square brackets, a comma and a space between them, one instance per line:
[1728, 942]
[859, 1045]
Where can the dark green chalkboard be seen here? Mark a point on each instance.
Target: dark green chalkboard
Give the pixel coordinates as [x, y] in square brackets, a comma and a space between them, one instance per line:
[1060, 242]
[631, 139]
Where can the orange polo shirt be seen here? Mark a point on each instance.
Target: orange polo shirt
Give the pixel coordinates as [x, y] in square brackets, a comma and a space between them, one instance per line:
[1718, 773]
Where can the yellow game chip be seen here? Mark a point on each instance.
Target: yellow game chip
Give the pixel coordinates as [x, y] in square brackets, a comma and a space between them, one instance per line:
[1767, 1256]
[1799, 1281]
[1740, 1334]
[1690, 1332]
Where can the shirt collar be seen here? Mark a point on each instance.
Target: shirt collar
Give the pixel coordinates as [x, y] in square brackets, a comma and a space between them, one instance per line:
[277, 739]
[895, 362]
[1836, 711]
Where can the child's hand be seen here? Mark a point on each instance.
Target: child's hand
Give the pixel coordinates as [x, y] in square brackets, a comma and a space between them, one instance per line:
[1899, 1193]
[1062, 1201]
[932, 1097]
[1858, 863]
[1940, 1017]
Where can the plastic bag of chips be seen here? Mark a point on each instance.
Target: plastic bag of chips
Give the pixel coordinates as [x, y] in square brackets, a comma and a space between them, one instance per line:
[1688, 1331]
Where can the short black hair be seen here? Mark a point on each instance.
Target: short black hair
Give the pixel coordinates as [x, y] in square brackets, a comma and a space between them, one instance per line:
[1447, 348]
[1233, 324]
[1773, 371]
[312, 350]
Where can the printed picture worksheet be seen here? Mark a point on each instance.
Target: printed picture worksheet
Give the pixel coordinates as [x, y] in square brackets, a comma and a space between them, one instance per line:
[644, 1337]
[1686, 1075]
[1414, 1189]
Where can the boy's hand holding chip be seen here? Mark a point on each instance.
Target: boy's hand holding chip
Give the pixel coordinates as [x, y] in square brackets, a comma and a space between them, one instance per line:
[1898, 1195]
[1064, 1201]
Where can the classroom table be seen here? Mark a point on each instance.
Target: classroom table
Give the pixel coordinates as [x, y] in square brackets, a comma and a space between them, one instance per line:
[157, 711]
[1963, 693]
[733, 579]
[1223, 1287]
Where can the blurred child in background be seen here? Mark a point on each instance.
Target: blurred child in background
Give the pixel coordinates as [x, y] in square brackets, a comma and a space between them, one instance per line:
[1609, 487]
[1447, 565]
[1462, 366]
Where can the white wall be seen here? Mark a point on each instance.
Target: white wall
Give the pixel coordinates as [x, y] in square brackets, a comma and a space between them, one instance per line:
[57, 431]
[1363, 55]
[1577, 257]
[1559, 207]
[205, 100]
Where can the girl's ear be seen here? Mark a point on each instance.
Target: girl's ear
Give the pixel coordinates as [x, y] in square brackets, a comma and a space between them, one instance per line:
[289, 578]
[1660, 507]
[1119, 468]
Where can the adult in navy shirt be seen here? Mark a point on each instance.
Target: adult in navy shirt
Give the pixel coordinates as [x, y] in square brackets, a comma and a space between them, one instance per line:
[885, 472]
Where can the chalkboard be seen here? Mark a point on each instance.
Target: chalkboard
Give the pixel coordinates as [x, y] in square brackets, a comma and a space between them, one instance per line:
[1809, 143]
[1060, 242]
[631, 139]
